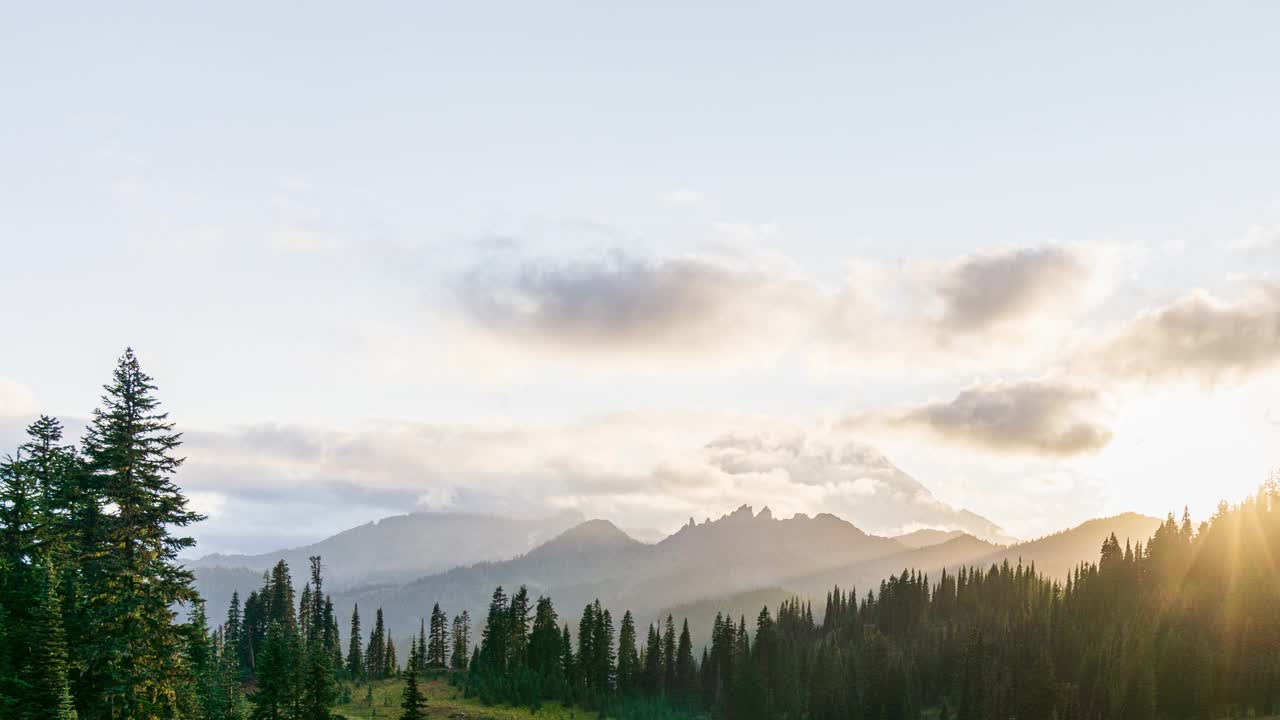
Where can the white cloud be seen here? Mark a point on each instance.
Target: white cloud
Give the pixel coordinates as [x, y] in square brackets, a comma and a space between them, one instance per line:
[16, 399]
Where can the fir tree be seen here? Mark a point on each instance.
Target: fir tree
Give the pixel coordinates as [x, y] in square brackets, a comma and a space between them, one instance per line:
[628, 659]
[496, 637]
[438, 642]
[47, 693]
[685, 672]
[375, 655]
[319, 691]
[276, 694]
[461, 640]
[355, 653]
[392, 668]
[132, 579]
[652, 678]
[518, 628]
[413, 703]
[669, 657]
[232, 632]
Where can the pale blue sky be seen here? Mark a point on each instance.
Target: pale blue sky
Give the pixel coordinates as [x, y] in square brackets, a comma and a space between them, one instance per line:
[293, 213]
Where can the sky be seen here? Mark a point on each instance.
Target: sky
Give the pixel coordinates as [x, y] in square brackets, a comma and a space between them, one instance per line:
[652, 262]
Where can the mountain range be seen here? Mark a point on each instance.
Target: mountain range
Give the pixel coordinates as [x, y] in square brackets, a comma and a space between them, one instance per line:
[741, 557]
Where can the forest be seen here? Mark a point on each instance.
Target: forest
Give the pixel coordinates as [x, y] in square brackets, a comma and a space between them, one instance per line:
[1185, 624]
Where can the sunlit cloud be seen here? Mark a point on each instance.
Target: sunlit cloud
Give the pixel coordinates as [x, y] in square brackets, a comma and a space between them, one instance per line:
[1198, 337]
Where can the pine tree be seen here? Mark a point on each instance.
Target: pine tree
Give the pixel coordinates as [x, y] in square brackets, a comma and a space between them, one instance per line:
[355, 654]
[278, 595]
[413, 703]
[208, 695]
[685, 672]
[669, 657]
[375, 655]
[48, 692]
[461, 640]
[233, 631]
[518, 627]
[393, 663]
[628, 659]
[496, 637]
[438, 641]
[568, 663]
[130, 647]
[253, 634]
[35, 537]
[652, 680]
[319, 691]
[276, 693]
[544, 644]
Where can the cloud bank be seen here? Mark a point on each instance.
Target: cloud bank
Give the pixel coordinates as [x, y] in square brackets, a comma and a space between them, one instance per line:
[653, 470]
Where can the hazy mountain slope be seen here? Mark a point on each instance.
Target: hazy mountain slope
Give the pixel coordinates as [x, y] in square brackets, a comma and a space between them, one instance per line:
[402, 547]
[1055, 555]
[387, 552]
[927, 537]
[739, 551]
[866, 575]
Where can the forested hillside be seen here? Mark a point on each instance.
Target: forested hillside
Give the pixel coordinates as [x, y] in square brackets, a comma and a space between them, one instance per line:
[1182, 625]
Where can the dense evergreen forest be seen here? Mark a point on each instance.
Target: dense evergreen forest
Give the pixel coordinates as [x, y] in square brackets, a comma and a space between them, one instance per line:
[1183, 625]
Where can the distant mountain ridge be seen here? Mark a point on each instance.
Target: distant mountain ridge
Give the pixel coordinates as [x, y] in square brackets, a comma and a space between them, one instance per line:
[402, 547]
[1053, 555]
[390, 551]
[739, 551]
[926, 537]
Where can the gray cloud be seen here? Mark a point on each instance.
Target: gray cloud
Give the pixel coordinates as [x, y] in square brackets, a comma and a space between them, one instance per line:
[986, 290]
[619, 303]
[1041, 417]
[1199, 337]
[1002, 306]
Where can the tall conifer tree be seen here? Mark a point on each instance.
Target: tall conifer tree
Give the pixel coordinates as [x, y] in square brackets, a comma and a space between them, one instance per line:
[133, 579]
